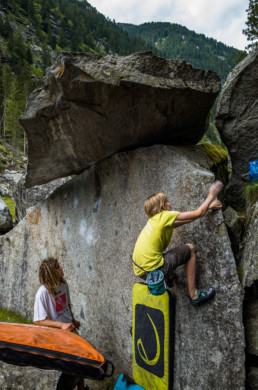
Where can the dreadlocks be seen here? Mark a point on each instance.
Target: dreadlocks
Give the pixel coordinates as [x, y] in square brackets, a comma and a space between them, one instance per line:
[48, 274]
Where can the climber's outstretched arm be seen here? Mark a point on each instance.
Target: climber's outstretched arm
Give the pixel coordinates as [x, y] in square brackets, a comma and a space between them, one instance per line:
[208, 204]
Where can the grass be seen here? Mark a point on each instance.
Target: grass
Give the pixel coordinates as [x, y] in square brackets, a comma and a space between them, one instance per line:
[250, 191]
[7, 315]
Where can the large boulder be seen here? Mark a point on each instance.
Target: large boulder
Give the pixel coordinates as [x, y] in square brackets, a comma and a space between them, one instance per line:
[237, 122]
[92, 106]
[27, 197]
[91, 224]
[6, 221]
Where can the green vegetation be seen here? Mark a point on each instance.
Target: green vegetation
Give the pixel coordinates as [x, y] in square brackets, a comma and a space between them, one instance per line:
[215, 152]
[219, 156]
[11, 316]
[240, 272]
[11, 205]
[10, 157]
[32, 32]
[251, 30]
[251, 191]
[175, 41]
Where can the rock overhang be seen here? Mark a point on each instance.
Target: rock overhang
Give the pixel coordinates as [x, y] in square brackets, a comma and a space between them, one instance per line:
[91, 107]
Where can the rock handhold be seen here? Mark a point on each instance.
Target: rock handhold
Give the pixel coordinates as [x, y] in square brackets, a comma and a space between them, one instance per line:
[237, 122]
[91, 107]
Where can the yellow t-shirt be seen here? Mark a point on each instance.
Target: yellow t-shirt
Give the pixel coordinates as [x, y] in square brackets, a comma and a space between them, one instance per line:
[152, 241]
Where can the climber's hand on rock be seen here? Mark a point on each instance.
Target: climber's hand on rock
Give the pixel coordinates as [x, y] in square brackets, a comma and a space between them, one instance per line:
[215, 205]
[215, 188]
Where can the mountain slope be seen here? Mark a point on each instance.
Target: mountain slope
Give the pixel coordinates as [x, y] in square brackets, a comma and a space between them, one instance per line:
[175, 41]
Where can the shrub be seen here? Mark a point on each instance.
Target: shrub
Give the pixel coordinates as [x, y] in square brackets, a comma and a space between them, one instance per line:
[250, 191]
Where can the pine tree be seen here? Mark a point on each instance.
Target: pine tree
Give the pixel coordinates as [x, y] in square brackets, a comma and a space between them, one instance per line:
[61, 38]
[31, 10]
[45, 57]
[28, 56]
[15, 104]
[252, 24]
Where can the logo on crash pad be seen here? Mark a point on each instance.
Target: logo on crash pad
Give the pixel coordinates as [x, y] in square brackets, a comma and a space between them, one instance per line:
[149, 339]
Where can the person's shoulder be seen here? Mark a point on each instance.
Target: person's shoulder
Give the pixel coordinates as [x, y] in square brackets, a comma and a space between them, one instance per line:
[167, 213]
[42, 289]
[168, 216]
[42, 292]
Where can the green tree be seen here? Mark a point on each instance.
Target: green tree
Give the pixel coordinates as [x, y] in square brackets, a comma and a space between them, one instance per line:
[45, 57]
[51, 39]
[31, 9]
[61, 38]
[28, 56]
[251, 30]
[14, 132]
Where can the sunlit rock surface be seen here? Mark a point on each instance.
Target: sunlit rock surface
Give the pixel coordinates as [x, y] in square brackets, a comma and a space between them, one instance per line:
[91, 224]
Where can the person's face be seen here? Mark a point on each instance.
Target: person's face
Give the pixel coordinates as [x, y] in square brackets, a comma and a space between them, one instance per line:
[59, 271]
[168, 206]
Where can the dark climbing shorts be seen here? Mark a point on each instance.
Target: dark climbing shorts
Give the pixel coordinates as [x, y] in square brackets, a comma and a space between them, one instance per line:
[173, 259]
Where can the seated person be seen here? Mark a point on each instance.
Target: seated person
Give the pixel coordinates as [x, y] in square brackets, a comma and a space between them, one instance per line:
[52, 308]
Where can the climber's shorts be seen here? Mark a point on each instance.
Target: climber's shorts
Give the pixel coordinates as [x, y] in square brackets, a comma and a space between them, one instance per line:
[174, 258]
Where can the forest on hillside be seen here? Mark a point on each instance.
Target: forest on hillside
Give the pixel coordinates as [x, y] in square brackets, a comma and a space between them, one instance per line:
[175, 41]
[33, 32]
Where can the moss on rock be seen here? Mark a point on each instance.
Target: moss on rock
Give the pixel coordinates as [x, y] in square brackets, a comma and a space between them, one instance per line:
[11, 205]
[219, 157]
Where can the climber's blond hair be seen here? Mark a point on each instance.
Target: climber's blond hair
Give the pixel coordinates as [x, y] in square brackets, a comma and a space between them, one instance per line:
[48, 274]
[155, 203]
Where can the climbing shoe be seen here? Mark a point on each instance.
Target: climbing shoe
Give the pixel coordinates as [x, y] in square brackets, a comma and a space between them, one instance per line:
[203, 296]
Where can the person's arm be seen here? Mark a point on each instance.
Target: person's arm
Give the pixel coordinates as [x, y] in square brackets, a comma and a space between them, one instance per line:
[190, 216]
[76, 323]
[56, 324]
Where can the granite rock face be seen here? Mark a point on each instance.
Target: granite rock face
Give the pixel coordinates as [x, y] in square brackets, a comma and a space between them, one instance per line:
[91, 224]
[251, 321]
[251, 326]
[237, 122]
[91, 107]
[235, 226]
[26, 378]
[249, 259]
[6, 221]
[27, 197]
